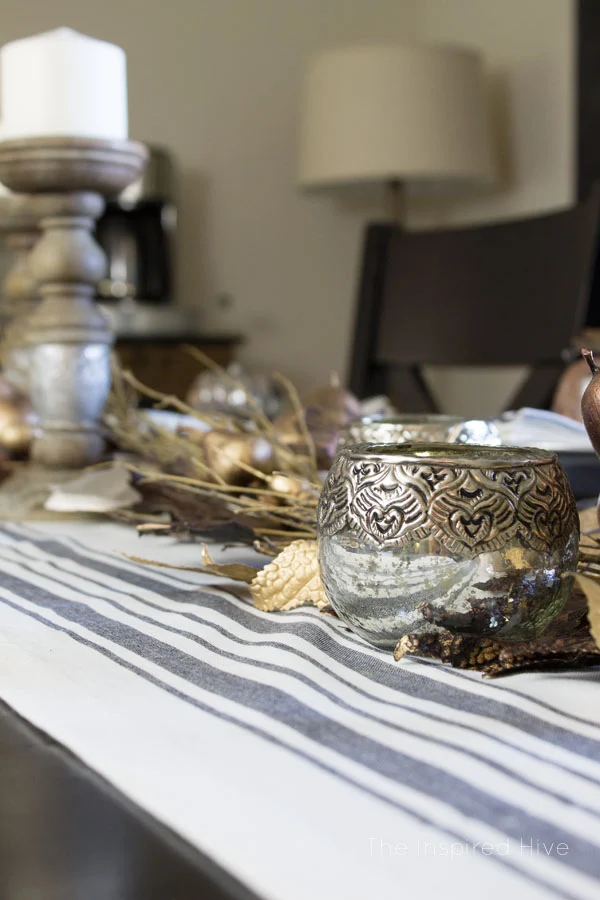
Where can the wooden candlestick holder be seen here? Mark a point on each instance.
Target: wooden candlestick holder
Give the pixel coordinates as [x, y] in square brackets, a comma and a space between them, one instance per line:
[69, 339]
[19, 289]
[20, 229]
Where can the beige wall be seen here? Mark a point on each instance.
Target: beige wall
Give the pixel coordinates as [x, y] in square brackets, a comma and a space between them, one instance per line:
[218, 81]
[528, 46]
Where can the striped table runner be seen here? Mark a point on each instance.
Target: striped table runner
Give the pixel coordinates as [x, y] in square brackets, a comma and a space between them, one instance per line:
[305, 762]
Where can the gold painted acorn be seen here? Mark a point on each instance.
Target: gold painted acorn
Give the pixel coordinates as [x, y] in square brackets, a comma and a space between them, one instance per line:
[233, 455]
[228, 455]
[17, 420]
[294, 487]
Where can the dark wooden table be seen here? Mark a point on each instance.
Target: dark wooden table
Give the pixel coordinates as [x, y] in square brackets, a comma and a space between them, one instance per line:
[67, 835]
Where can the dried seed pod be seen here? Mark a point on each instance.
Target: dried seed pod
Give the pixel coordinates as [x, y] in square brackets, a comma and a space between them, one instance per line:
[234, 456]
[590, 403]
[295, 487]
[229, 454]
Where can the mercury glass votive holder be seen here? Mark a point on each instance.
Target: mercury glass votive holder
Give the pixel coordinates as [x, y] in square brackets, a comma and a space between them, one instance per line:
[426, 427]
[418, 538]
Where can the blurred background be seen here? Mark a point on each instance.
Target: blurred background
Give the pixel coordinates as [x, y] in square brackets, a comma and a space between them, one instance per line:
[217, 84]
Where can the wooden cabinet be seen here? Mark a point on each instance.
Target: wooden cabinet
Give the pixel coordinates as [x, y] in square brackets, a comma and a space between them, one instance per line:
[164, 364]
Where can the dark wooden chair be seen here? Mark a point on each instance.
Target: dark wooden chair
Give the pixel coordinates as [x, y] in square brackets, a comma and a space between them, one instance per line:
[512, 293]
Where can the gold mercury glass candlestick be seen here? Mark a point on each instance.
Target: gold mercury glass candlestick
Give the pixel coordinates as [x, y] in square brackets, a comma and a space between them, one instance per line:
[67, 180]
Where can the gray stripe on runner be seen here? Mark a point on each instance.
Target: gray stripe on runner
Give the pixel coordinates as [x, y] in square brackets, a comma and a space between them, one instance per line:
[308, 722]
[379, 671]
[192, 701]
[326, 691]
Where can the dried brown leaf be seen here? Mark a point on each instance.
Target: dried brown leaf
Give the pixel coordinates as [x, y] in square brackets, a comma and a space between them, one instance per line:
[566, 643]
[292, 579]
[492, 658]
[234, 571]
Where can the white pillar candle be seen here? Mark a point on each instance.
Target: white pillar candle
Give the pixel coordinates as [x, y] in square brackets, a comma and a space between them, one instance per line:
[62, 83]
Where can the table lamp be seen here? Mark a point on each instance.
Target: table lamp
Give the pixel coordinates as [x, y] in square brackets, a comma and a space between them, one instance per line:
[395, 114]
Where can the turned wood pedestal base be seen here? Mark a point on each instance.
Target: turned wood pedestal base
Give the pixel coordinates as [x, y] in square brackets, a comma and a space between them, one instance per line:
[68, 337]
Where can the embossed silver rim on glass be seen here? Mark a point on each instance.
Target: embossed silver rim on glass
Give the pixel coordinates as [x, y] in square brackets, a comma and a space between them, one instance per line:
[457, 455]
[421, 419]
[473, 499]
[423, 428]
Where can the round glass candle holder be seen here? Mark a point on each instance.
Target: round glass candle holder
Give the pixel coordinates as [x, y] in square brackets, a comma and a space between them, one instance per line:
[418, 538]
[419, 428]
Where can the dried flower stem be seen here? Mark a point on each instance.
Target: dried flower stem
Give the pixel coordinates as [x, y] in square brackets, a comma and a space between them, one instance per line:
[287, 534]
[243, 503]
[184, 480]
[165, 400]
[224, 374]
[275, 517]
[301, 418]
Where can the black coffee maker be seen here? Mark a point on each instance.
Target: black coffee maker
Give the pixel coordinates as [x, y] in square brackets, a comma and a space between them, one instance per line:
[137, 233]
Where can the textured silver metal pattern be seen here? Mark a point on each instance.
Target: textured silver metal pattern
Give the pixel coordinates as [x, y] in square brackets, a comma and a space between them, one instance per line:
[406, 428]
[469, 506]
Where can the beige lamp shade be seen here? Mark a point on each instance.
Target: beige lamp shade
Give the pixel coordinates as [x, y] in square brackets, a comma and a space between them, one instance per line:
[386, 112]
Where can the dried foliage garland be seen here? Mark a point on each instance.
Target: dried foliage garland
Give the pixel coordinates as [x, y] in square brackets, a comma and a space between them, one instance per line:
[184, 489]
[187, 496]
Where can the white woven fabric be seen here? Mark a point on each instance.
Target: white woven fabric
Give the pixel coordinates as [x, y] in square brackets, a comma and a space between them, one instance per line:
[305, 762]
